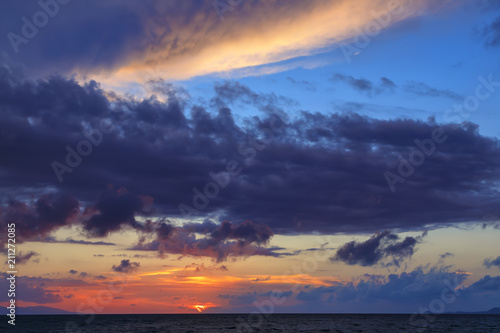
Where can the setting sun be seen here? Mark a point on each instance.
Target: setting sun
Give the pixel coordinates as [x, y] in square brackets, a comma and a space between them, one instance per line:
[200, 308]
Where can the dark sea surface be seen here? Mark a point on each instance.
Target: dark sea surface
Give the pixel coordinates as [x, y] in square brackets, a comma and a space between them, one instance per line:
[208, 323]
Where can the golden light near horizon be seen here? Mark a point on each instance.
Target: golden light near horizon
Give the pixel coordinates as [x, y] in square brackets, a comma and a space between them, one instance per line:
[200, 308]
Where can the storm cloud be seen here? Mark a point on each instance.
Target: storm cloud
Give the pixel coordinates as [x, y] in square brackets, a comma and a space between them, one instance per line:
[316, 172]
[219, 242]
[380, 246]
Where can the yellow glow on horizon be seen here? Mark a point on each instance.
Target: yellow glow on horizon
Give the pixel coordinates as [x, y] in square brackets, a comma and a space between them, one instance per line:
[200, 308]
[164, 272]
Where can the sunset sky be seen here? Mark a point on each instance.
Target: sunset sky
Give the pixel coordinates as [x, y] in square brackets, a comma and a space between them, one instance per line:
[328, 156]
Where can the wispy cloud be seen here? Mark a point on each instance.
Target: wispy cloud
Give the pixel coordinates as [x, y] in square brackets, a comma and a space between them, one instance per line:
[182, 40]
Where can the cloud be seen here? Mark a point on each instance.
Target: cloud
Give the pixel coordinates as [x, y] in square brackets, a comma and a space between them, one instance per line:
[202, 268]
[219, 241]
[50, 239]
[29, 290]
[407, 288]
[380, 246]
[72, 271]
[162, 151]
[489, 33]
[302, 83]
[492, 262]
[181, 41]
[446, 255]
[422, 89]
[113, 210]
[486, 284]
[48, 213]
[126, 266]
[404, 293]
[231, 93]
[366, 86]
[24, 257]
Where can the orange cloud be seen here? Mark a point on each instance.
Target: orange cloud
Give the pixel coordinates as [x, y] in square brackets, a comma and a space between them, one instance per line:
[196, 42]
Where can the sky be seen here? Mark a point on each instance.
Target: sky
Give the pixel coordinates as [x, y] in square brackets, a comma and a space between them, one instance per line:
[328, 156]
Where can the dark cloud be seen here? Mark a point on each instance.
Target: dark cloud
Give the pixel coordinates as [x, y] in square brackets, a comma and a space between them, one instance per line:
[113, 210]
[25, 257]
[230, 93]
[366, 86]
[50, 239]
[380, 246]
[219, 242]
[126, 266]
[406, 288]
[327, 170]
[101, 37]
[403, 291]
[40, 217]
[29, 290]
[486, 285]
[245, 232]
[446, 255]
[163, 231]
[492, 262]
[490, 33]
[72, 27]
[72, 271]
[203, 268]
[422, 89]
[84, 274]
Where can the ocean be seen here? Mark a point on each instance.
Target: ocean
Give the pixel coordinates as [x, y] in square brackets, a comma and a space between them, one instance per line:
[236, 323]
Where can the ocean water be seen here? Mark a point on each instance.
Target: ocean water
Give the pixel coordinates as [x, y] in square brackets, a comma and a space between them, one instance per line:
[234, 323]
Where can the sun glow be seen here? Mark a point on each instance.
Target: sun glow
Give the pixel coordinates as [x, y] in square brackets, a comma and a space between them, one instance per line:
[200, 308]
